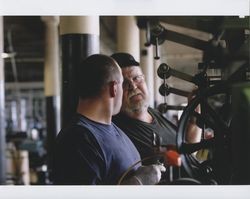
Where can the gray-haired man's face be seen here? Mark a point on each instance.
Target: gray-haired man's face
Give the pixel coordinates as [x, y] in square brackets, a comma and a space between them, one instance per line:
[135, 91]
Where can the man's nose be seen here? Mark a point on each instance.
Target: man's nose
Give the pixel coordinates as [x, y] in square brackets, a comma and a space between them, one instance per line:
[132, 85]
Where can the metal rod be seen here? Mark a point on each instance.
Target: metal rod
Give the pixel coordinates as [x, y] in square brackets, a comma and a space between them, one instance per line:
[156, 49]
[179, 92]
[181, 75]
[166, 90]
[164, 107]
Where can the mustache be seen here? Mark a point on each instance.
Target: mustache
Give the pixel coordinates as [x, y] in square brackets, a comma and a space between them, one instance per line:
[133, 93]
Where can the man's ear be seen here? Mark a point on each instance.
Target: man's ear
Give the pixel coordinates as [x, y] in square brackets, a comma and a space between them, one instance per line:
[113, 88]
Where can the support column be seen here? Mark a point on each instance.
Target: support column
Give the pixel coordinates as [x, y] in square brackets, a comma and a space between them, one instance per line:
[51, 82]
[147, 65]
[128, 36]
[2, 111]
[79, 39]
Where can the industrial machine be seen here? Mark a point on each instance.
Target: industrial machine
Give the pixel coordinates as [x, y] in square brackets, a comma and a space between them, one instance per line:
[222, 95]
[220, 107]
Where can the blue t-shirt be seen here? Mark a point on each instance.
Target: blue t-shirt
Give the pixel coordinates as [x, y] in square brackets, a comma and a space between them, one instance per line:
[88, 152]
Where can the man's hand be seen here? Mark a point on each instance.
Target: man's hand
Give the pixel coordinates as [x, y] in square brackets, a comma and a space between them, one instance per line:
[149, 175]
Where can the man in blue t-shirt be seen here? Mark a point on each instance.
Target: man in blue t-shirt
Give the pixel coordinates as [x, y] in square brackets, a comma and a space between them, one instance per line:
[91, 149]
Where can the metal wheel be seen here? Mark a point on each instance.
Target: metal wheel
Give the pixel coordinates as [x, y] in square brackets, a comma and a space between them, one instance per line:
[216, 166]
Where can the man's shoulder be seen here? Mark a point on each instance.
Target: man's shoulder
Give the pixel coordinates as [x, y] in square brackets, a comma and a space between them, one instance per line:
[77, 129]
[120, 118]
[153, 110]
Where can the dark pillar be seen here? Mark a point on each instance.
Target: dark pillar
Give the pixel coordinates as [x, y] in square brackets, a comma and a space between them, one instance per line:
[79, 39]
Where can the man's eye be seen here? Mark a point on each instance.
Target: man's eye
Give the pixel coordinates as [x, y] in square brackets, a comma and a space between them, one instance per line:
[135, 79]
[138, 78]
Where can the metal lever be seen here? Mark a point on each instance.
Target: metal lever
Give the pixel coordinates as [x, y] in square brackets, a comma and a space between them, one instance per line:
[166, 90]
[164, 71]
[164, 107]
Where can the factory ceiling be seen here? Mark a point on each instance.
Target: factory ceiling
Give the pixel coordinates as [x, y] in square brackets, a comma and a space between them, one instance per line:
[24, 39]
